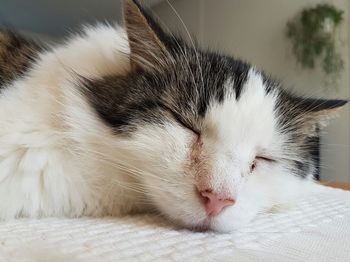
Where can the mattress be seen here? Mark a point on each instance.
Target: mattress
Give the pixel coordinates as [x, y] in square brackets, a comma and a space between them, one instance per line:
[317, 229]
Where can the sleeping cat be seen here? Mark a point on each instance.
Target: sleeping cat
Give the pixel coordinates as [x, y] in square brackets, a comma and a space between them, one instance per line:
[122, 120]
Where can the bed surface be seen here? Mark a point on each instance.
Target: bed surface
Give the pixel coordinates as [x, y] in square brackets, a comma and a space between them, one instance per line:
[318, 229]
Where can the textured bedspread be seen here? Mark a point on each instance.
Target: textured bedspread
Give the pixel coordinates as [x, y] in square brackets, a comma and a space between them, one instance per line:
[317, 230]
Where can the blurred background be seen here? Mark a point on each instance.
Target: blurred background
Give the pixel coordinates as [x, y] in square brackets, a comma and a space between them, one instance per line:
[303, 43]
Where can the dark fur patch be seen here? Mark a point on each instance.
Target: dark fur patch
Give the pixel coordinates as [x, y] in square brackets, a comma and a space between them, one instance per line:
[183, 83]
[16, 55]
[184, 90]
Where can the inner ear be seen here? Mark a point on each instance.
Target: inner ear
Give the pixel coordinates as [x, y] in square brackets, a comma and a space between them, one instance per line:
[147, 52]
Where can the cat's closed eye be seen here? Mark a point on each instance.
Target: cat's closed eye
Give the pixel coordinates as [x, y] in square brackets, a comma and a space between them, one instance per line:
[265, 158]
[177, 117]
[258, 159]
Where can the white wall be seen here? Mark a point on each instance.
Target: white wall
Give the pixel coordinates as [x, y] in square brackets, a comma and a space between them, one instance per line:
[255, 31]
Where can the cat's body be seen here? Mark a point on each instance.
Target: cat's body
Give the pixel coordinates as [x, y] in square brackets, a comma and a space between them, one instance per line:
[100, 126]
[48, 136]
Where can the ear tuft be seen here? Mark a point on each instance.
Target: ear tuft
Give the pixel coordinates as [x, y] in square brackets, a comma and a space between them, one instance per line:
[318, 112]
[318, 105]
[147, 52]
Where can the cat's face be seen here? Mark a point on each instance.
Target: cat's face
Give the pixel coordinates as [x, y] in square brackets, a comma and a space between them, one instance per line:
[212, 141]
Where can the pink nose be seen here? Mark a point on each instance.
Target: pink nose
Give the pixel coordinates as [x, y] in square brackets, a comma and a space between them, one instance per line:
[213, 203]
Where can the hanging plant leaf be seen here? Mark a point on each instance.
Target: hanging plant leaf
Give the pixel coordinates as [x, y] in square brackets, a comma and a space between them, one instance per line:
[313, 38]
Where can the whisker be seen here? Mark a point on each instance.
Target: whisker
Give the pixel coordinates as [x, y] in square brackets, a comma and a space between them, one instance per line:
[190, 38]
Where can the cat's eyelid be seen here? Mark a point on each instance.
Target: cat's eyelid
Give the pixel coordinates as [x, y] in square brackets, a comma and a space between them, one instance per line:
[265, 158]
[179, 120]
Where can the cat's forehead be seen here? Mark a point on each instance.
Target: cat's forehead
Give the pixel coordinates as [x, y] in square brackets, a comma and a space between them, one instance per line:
[249, 117]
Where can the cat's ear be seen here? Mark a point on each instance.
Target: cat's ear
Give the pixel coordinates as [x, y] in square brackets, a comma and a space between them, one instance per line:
[147, 51]
[316, 113]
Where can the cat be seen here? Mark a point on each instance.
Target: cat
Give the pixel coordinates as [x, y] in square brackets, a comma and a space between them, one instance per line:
[120, 120]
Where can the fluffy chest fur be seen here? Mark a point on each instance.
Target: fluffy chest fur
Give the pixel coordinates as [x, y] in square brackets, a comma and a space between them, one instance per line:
[119, 120]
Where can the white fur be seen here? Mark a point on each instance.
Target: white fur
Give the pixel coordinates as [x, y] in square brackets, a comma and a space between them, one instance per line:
[57, 158]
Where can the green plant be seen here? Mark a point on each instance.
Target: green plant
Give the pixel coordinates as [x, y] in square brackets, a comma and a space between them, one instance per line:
[313, 38]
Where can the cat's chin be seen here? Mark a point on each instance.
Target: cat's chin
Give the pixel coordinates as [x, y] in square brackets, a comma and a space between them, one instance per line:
[223, 223]
[218, 225]
[221, 226]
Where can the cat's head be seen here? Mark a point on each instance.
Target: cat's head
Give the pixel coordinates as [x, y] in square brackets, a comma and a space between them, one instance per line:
[210, 139]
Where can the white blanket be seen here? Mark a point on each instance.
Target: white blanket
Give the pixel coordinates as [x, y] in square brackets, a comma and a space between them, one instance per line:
[317, 230]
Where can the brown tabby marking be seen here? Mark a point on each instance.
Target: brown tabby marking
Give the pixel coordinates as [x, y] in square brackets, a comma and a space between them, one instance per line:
[16, 55]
